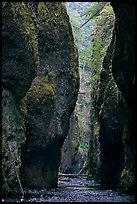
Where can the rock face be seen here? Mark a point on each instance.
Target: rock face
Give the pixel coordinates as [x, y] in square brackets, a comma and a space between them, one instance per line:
[51, 98]
[70, 146]
[40, 108]
[111, 109]
[112, 161]
[107, 157]
[36, 37]
[39, 36]
[110, 137]
[19, 64]
[73, 157]
[18, 71]
[13, 136]
[105, 75]
[123, 69]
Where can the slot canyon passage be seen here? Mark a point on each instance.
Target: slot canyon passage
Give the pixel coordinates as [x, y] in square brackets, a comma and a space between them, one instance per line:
[68, 101]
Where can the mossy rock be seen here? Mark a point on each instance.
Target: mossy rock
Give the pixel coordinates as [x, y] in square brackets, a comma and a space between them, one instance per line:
[27, 22]
[13, 137]
[41, 90]
[127, 181]
[18, 53]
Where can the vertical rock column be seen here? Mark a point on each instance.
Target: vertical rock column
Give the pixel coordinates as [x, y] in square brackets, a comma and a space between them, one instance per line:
[110, 137]
[55, 93]
[73, 157]
[18, 70]
[110, 109]
[123, 68]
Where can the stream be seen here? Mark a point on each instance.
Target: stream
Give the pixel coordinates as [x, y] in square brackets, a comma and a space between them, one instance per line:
[72, 190]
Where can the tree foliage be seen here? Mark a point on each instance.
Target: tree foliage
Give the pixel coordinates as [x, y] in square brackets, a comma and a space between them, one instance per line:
[101, 34]
[92, 40]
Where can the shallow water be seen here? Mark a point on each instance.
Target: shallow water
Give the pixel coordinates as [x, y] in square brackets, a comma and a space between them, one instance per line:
[74, 190]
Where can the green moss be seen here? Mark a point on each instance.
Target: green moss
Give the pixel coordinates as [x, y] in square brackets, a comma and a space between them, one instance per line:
[96, 129]
[127, 181]
[26, 19]
[111, 95]
[43, 12]
[41, 90]
[84, 146]
[55, 16]
[22, 106]
[124, 179]
[75, 142]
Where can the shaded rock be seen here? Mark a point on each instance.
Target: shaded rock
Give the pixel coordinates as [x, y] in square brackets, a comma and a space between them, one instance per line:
[40, 108]
[93, 156]
[110, 137]
[13, 137]
[116, 107]
[18, 70]
[40, 101]
[70, 145]
[123, 68]
[79, 162]
[19, 64]
[50, 112]
[73, 157]
[105, 75]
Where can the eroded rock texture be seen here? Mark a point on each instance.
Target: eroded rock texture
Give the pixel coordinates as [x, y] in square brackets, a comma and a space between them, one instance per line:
[54, 94]
[116, 107]
[36, 36]
[19, 64]
[18, 71]
[123, 68]
[110, 136]
[73, 157]
[105, 75]
[111, 108]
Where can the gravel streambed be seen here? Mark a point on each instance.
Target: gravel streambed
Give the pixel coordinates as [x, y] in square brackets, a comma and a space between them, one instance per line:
[73, 190]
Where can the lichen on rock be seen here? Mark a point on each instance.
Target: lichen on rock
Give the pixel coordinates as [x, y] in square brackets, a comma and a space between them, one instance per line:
[13, 137]
[19, 68]
[72, 156]
[23, 13]
[51, 98]
[110, 136]
[123, 69]
[19, 64]
[41, 89]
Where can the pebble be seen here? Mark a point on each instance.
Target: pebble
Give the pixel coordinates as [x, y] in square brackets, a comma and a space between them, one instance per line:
[76, 190]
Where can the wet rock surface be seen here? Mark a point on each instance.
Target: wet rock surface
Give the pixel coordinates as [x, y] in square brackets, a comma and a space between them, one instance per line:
[73, 190]
[18, 71]
[51, 98]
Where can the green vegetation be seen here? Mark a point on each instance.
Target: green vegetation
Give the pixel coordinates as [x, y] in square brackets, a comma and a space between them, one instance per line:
[41, 90]
[99, 28]
[84, 146]
[51, 17]
[127, 180]
[92, 41]
[26, 20]
[101, 33]
[75, 22]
